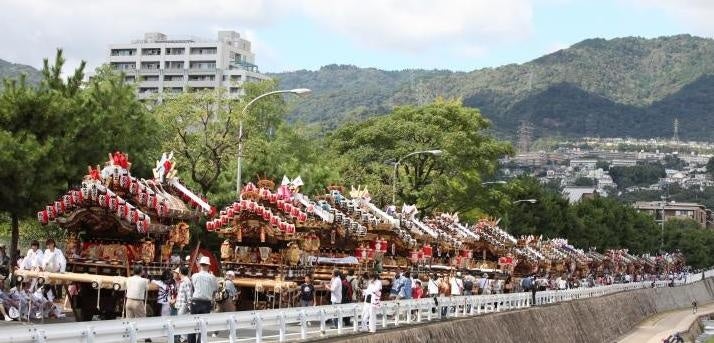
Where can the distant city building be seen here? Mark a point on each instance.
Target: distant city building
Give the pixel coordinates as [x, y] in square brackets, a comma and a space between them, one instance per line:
[158, 64]
[583, 163]
[698, 212]
[624, 163]
[575, 194]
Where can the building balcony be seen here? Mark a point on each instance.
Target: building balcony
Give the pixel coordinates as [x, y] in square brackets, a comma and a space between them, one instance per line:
[149, 71]
[174, 71]
[123, 58]
[148, 84]
[202, 71]
[169, 84]
[202, 83]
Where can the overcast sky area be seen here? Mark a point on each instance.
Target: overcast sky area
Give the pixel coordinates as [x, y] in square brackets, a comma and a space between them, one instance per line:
[306, 34]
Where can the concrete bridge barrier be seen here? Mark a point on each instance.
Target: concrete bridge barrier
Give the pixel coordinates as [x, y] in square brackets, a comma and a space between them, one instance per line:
[597, 319]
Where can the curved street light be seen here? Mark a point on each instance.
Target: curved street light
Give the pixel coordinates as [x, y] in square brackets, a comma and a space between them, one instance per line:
[532, 201]
[301, 92]
[435, 152]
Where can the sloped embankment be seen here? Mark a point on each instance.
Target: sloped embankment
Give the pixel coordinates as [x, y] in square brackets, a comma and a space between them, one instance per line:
[601, 319]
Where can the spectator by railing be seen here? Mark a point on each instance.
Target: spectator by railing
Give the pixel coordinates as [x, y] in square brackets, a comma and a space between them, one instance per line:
[292, 323]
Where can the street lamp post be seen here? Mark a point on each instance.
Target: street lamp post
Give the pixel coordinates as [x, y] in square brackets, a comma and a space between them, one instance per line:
[493, 183]
[297, 91]
[661, 236]
[396, 165]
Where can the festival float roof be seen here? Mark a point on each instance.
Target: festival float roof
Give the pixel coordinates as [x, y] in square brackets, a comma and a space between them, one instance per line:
[112, 201]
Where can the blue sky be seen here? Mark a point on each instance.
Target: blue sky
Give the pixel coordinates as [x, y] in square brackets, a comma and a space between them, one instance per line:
[387, 34]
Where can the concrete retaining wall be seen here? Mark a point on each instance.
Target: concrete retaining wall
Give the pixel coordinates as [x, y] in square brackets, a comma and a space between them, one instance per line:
[601, 319]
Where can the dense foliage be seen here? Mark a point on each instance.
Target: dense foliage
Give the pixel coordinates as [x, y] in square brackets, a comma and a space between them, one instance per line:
[642, 175]
[51, 132]
[446, 182]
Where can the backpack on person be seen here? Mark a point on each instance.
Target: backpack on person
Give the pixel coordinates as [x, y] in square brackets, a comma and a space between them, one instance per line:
[527, 283]
[346, 291]
[468, 285]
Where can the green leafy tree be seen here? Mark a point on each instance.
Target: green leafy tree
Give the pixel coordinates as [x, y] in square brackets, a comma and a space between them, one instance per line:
[687, 236]
[447, 182]
[584, 182]
[643, 175]
[202, 129]
[51, 132]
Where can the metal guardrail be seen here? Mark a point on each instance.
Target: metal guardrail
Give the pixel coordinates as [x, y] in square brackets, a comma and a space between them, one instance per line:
[292, 323]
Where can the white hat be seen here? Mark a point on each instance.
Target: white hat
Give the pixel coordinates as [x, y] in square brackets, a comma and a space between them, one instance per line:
[230, 273]
[458, 273]
[205, 260]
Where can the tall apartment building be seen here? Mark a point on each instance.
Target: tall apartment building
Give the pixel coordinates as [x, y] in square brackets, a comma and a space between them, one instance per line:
[158, 64]
[672, 209]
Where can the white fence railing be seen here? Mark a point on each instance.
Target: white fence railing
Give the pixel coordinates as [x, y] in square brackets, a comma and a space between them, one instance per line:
[294, 323]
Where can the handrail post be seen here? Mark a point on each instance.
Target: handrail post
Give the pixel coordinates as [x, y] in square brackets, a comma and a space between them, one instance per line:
[132, 332]
[303, 324]
[232, 321]
[355, 315]
[339, 320]
[169, 326]
[204, 330]
[384, 316]
[90, 333]
[323, 326]
[258, 328]
[281, 329]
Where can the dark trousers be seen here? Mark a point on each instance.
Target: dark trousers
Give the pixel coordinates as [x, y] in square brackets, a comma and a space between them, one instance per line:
[533, 292]
[199, 307]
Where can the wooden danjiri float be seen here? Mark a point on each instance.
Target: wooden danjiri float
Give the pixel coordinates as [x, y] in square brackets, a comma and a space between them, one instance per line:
[114, 221]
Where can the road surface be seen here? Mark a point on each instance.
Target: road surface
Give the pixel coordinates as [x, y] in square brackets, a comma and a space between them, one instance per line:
[660, 326]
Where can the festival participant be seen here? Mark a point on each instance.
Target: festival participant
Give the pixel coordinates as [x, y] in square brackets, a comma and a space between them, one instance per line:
[335, 288]
[417, 290]
[136, 289]
[184, 293]
[372, 295]
[205, 286]
[307, 293]
[33, 258]
[405, 286]
[166, 285]
[4, 266]
[52, 259]
[5, 304]
[228, 301]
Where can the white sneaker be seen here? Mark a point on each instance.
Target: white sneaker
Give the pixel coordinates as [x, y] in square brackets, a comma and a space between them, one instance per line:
[8, 319]
[214, 335]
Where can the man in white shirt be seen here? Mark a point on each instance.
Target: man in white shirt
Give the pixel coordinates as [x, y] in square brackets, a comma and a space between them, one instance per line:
[335, 288]
[205, 286]
[136, 288]
[457, 284]
[33, 258]
[52, 259]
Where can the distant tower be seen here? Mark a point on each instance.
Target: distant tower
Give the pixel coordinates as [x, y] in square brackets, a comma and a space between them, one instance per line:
[675, 137]
[525, 134]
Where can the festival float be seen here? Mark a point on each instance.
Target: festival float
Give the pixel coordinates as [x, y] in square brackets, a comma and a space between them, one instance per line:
[114, 221]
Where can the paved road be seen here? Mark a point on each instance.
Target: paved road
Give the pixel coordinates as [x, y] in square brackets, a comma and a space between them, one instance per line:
[660, 326]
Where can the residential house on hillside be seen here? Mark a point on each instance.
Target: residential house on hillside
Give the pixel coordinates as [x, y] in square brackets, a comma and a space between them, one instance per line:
[698, 212]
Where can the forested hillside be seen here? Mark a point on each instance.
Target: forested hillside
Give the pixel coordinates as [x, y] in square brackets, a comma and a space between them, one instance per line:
[618, 87]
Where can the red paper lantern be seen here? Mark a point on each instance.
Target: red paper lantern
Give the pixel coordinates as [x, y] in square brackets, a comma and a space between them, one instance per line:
[294, 211]
[59, 207]
[251, 205]
[236, 207]
[209, 226]
[302, 217]
[414, 256]
[283, 226]
[290, 229]
[151, 201]
[103, 200]
[310, 208]
[120, 210]
[124, 181]
[42, 217]
[134, 187]
[266, 214]
[113, 202]
[426, 250]
[273, 198]
[273, 220]
[133, 215]
[281, 204]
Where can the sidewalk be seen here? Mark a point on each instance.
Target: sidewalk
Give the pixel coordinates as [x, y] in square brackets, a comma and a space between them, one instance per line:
[660, 326]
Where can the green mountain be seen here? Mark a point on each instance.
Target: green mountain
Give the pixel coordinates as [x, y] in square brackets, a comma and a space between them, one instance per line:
[13, 70]
[618, 87]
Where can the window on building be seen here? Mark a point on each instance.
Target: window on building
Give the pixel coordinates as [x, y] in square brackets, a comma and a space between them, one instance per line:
[234, 90]
[204, 51]
[129, 79]
[123, 65]
[173, 65]
[173, 89]
[150, 78]
[123, 52]
[150, 65]
[173, 77]
[148, 90]
[175, 51]
[202, 77]
[151, 51]
[203, 65]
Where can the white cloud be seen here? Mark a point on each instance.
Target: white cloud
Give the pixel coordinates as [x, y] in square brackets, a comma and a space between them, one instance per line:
[695, 15]
[420, 25]
[33, 29]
